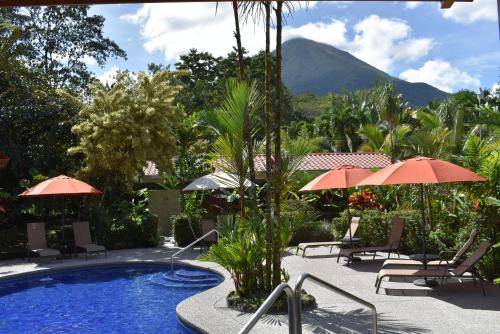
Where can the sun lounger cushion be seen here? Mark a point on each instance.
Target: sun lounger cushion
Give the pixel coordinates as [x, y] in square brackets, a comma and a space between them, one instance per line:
[46, 252]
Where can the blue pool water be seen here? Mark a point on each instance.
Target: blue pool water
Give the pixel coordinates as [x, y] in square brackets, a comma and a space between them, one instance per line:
[137, 298]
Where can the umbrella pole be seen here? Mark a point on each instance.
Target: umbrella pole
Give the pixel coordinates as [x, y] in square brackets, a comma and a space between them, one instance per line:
[63, 210]
[422, 221]
[344, 191]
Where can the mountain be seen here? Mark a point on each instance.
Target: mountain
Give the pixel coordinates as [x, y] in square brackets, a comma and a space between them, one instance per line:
[312, 67]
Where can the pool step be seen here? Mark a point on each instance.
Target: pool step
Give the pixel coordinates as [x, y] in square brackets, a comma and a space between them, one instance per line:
[187, 279]
[178, 279]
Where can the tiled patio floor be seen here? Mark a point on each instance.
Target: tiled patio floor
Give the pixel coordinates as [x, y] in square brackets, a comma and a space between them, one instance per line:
[402, 307]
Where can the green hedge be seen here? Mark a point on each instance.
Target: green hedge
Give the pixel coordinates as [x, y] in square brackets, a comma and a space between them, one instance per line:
[375, 226]
[315, 231]
[183, 226]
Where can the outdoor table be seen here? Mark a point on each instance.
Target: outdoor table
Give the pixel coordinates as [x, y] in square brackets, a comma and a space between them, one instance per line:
[425, 258]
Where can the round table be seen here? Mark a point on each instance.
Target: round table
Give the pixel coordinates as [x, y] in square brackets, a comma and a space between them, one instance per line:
[425, 258]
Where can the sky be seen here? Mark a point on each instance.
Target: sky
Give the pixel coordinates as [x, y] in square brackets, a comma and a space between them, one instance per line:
[451, 49]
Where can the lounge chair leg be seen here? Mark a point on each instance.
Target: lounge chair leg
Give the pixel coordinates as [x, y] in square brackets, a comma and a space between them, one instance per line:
[297, 250]
[376, 281]
[399, 256]
[375, 253]
[474, 280]
[378, 285]
[389, 255]
[480, 280]
[338, 257]
[331, 248]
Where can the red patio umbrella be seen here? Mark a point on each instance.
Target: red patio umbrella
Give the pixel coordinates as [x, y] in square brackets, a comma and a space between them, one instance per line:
[421, 170]
[61, 186]
[342, 177]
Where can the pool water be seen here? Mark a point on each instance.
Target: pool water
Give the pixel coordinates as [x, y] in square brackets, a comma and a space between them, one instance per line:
[138, 298]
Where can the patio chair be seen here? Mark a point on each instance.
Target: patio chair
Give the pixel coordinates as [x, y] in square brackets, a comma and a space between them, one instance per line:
[457, 258]
[391, 246]
[37, 242]
[467, 266]
[208, 225]
[351, 231]
[83, 240]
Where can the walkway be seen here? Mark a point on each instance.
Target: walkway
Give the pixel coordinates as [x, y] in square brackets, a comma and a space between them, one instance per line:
[402, 307]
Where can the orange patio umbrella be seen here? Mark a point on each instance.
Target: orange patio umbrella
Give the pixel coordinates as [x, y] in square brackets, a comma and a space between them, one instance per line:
[342, 177]
[61, 186]
[421, 170]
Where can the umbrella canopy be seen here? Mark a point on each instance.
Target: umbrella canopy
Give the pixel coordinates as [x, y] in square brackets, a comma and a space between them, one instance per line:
[338, 178]
[214, 181]
[61, 185]
[421, 170]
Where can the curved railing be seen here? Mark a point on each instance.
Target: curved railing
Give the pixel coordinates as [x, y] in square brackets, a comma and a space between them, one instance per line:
[295, 305]
[298, 306]
[191, 245]
[268, 303]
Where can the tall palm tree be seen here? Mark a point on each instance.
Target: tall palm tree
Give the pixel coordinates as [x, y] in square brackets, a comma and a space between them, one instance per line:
[277, 145]
[246, 117]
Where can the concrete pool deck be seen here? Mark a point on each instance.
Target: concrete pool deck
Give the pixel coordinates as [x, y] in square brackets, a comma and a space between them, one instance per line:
[402, 307]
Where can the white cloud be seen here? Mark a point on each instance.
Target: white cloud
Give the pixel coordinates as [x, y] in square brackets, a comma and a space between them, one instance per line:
[108, 77]
[174, 28]
[88, 60]
[469, 12]
[440, 74]
[378, 41]
[495, 89]
[413, 4]
[381, 42]
[332, 33]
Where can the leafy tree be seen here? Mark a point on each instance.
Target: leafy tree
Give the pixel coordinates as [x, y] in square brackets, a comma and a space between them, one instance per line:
[35, 118]
[62, 39]
[126, 125]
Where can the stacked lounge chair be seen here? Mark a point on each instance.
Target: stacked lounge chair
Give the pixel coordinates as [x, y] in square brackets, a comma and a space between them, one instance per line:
[392, 245]
[460, 271]
[457, 259]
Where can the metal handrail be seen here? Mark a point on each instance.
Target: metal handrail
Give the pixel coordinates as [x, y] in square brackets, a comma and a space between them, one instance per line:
[268, 303]
[298, 306]
[191, 245]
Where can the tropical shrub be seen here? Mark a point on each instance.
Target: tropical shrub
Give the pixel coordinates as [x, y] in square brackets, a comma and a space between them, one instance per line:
[312, 231]
[186, 227]
[126, 223]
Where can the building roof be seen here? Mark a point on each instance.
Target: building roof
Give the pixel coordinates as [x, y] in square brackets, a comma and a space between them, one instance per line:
[312, 162]
[327, 161]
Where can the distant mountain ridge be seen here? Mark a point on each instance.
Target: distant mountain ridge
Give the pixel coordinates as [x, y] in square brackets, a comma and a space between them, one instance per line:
[312, 67]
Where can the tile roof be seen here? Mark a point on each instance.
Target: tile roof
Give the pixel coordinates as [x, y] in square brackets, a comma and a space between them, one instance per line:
[327, 161]
[314, 162]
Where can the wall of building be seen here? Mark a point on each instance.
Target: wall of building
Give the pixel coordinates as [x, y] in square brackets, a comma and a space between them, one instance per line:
[164, 204]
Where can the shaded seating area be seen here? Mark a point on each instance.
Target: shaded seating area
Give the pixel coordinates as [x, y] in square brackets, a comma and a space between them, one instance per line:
[457, 258]
[392, 245]
[83, 240]
[347, 239]
[37, 242]
[461, 271]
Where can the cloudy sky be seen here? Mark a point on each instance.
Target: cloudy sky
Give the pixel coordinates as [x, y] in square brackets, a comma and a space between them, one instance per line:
[450, 49]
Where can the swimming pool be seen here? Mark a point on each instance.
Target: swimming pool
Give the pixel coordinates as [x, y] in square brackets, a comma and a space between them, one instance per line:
[131, 298]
